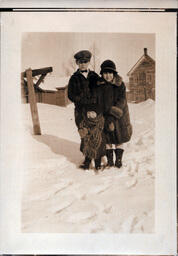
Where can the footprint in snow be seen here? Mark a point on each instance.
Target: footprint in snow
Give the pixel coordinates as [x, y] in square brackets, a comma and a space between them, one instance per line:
[61, 186]
[83, 197]
[131, 183]
[61, 206]
[107, 210]
[139, 142]
[129, 224]
[133, 168]
[79, 217]
[98, 189]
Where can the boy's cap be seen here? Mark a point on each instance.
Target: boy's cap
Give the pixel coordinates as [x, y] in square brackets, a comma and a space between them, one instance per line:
[83, 55]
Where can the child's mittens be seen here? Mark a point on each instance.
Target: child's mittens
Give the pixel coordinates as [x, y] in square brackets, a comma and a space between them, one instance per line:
[111, 127]
[91, 114]
[116, 112]
[83, 132]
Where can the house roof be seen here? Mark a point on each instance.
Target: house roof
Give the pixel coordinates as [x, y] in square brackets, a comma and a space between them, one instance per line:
[54, 83]
[137, 64]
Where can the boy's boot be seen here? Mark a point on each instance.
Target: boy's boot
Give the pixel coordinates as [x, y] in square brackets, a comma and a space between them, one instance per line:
[98, 163]
[109, 155]
[86, 163]
[119, 153]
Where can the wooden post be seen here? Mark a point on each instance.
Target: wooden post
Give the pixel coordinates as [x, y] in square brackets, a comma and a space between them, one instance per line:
[33, 105]
[23, 96]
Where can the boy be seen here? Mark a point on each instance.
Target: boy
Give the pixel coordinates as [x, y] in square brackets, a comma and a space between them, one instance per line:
[79, 91]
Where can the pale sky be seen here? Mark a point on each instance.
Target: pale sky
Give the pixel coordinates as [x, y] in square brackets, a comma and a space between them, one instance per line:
[57, 50]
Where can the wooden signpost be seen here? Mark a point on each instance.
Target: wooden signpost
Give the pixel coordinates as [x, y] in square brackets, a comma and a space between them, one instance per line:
[29, 74]
[33, 104]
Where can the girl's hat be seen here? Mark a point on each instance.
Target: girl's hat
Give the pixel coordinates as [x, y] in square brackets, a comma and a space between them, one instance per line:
[108, 65]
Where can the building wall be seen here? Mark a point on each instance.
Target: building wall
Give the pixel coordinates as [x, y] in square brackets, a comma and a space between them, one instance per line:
[58, 98]
[142, 83]
[62, 97]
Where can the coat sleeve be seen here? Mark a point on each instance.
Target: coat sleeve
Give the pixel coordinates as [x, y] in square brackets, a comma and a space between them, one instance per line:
[72, 90]
[75, 94]
[120, 102]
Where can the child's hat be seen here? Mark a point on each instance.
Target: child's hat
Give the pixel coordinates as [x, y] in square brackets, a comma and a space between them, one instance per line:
[108, 65]
[83, 55]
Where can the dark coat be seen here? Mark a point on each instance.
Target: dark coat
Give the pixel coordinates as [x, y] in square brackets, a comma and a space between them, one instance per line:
[79, 92]
[86, 96]
[93, 144]
[95, 141]
[114, 95]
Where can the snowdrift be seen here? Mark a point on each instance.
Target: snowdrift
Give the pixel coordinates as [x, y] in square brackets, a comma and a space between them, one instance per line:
[60, 197]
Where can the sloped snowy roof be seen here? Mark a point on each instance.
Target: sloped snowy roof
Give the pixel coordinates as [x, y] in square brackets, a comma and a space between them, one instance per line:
[53, 82]
[143, 58]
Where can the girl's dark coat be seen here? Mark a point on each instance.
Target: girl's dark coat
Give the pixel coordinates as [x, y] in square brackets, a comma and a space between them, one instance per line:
[114, 94]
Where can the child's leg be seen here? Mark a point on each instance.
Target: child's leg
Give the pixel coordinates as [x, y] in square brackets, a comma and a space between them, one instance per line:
[86, 163]
[119, 150]
[119, 146]
[98, 163]
[109, 154]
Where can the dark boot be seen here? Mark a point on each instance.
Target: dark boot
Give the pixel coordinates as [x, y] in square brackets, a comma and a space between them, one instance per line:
[86, 163]
[98, 163]
[109, 155]
[119, 152]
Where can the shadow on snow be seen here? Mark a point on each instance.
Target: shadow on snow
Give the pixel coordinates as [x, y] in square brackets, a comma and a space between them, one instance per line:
[60, 146]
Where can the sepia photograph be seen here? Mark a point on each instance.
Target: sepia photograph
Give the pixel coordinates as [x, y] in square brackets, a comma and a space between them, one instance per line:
[88, 132]
[91, 170]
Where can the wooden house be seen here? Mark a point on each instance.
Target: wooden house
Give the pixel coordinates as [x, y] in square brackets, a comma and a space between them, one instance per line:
[56, 95]
[142, 79]
[52, 97]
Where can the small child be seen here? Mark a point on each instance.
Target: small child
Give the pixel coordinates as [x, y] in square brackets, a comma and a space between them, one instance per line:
[92, 136]
[91, 126]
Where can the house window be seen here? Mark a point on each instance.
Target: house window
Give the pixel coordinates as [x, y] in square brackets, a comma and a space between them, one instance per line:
[142, 75]
[149, 78]
[142, 78]
[145, 63]
[136, 79]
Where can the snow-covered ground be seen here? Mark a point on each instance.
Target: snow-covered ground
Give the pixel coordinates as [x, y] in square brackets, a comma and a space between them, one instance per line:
[60, 197]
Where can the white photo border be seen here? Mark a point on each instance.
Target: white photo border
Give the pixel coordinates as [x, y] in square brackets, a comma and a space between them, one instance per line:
[163, 241]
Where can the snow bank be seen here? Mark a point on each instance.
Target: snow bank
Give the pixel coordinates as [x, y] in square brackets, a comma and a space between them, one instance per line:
[60, 197]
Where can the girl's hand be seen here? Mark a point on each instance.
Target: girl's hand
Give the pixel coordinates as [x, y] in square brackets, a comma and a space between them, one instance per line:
[111, 127]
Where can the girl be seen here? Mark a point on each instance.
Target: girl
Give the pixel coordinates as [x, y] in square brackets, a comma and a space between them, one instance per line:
[118, 129]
